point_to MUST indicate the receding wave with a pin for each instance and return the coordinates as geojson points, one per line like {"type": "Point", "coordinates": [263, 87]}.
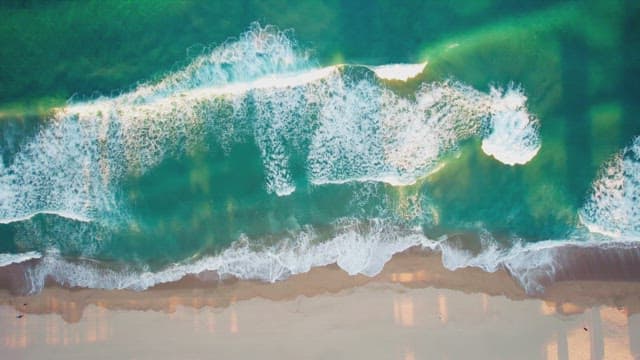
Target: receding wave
{"type": "Point", "coordinates": [8, 259]}
{"type": "Point", "coordinates": [356, 247]}
{"type": "Point", "coordinates": [613, 208]}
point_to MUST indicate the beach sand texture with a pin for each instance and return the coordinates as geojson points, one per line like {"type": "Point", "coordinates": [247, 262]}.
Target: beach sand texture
{"type": "Point", "coordinates": [414, 309]}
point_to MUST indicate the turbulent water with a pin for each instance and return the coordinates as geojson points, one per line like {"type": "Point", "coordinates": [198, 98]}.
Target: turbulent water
{"type": "Point", "coordinates": [257, 161]}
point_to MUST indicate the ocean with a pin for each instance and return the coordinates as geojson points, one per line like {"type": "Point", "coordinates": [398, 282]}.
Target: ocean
{"type": "Point", "coordinates": [510, 142]}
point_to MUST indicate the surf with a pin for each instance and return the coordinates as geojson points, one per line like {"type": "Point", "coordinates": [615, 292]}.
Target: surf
{"type": "Point", "coordinates": [345, 123]}
{"type": "Point", "coordinates": [356, 247]}
{"type": "Point", "coordinates": [613, 207]}
{"type": "Point", "coordinates": [358, 129]}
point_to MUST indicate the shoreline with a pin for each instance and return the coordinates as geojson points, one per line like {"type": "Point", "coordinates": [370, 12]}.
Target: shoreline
{"type": "Point", "coordinates": [412, 269]}
{"type": "Point", "coordinates": [414, 309]}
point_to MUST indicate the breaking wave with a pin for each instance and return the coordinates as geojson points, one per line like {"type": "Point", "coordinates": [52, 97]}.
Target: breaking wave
{"type": "Point", "coordinates": [513, 136]}
{"type": "Point", "coordinates": [613, 208]}
{"type": "Point", "coordinates": [345, 122]}
{"type": "Point", "coordinates": [356, 247]}
{"type": "Point", "coordinates": [402, 72]}
{"type": "Point", "coordinates": [261, 87]}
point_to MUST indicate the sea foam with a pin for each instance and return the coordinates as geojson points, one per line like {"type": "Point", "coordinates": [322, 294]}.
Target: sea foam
{"type": "Point", "coordinates": [513, 136]}
{"type": "Point", "coordinates": [613, 207]}
{"type": "Point", "coordinates": [357, 247]}
{"type": "Point", "coordinates": [402, 72]}
{"type": "Point", "coordinates": [8, 259]}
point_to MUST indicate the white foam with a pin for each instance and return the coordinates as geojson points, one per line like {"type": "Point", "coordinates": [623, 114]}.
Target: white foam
{"type": "Point", "coordinates": [367, 132]}
{"type": "Point", "coordinates": [63, 214]}
{"type": "Point", "coordinates": [530, 264]}
{"type": "Point", "coordinates": [73, 164]}
{"type": "Point", "coordinates": [8, 259]}
{"type": "Point", "coordinates": [257, 53]}
{"type": "Point", "coordinates": [359, 131]}
{"type": "Point", "coordinates": [613, 209]}
{"type": "Point", "coordinates": [533, 265]}
{"type": "Point", "coordinates": [58, 172]}
{"type": "Point", "coordinates": [356, 247]}
{"type": "Point", "coordinates": [513, 136]}
{"type": "Point", "coordinates": [402, 72]}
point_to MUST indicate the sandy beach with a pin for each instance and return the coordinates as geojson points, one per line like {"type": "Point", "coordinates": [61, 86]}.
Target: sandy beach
{"type": "Point", "coordinates": [415, 309]}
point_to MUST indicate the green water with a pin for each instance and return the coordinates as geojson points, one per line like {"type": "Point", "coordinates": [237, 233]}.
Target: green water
{"type": "Point", "coordinates": [576, 62]}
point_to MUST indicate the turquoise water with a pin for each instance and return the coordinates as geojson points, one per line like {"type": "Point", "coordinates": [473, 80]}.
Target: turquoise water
{"type": "Point", "coordinates": [497, 139]}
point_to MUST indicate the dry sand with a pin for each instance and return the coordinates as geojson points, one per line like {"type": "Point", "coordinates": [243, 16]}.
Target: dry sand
{"type": "Point", "coordinates": [415, 309]}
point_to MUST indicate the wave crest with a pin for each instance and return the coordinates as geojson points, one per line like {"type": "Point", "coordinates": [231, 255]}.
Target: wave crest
{"type": "Point", "coordinates": [8, 259]}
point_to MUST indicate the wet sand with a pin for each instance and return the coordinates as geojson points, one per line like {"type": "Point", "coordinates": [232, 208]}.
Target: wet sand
{"type": "Point", "coordinates": [414, 309]}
